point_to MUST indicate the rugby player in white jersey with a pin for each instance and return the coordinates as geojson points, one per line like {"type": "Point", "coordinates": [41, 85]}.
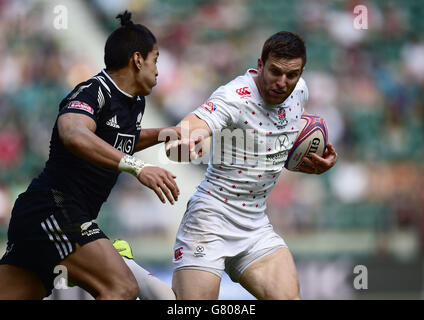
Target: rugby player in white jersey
{"type": "Point", "coordinates": [225, 227]}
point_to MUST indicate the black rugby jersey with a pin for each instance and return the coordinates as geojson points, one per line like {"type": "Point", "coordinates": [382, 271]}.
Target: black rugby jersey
{"type": "Point", "coordinates": [118, 118]}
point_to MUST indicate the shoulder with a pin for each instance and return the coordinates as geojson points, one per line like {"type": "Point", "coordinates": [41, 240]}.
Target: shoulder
{"type": "Point", "coordinates": [301, 85]}
{"type": "Point", "coordinates": [302, 89]}
{"type": "Point", "coordinates": [101, 84]}
{"type": "Point", "coordinates": [234, 91]}
{"type": "Point", "coordinates": [95, 92]}
{"type": "Point", "coordinates": [95, 86]}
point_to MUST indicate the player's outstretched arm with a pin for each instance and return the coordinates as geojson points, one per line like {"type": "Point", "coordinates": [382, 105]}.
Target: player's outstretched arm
{"type": "Point", "coordinates": [77, 134]}
{"type": "Point", "coordinates": [192, 140]}
{"type": "Point", "coordinates": [316, 164]}
{"type": "Point", "coordinates": [151, 137]}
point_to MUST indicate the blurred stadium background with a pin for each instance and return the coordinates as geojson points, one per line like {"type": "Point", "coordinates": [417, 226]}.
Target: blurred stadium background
{"type": "Point", "coordinates": [367, 84]}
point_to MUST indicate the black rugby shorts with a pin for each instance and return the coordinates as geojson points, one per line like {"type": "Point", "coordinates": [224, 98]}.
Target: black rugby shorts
{"type": "Point", "coordinates": [44, 229]}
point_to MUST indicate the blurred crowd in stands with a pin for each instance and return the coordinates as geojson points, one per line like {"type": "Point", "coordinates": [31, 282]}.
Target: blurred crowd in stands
{"type": "Point", "coordinates": [367, 84]}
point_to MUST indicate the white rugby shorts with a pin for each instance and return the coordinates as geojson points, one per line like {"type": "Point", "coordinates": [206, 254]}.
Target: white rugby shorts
{"type": "Point", "coordinates": [207, 240]}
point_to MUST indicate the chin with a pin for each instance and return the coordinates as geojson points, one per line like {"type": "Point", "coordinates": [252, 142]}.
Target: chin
{"type": "Point", "coordinates": [276, 101]}
{"type": "Point", "coordinates": [145, 92]}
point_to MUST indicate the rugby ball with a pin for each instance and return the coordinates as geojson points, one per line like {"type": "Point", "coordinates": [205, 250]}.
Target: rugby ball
{"type": "Point", "coordinates": [311, 139]}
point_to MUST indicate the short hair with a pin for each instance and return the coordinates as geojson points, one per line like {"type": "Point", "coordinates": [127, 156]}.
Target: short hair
{"type": "Point", "coordinates": [124, 41]}
{"type": "Point", "coordinates": [284, 44]}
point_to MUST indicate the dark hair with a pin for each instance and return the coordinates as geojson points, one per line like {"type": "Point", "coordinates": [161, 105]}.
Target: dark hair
{"type": "Point", "coordinates": [284, 44]}
{"type": "Point", "coordinates": [124, 41]}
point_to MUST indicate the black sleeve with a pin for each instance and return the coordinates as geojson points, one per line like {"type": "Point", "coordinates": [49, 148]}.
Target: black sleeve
{"type": "Point", "coordinates": [87, 98]}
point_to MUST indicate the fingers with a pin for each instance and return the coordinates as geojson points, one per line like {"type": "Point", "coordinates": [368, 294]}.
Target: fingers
{"type": "Point", "coordinates": [199, 139]}
{"type": "Point", "coordinates": [172, 144]}
{"type": "Point", "coordinates": [316, 158]}
{"type": "Point", "coordinates": [161, 182]}
{"type": "Point", "coordinates": [330, 151]}
{"type": "Point", "coordinates": [171, 178]}
{"type": "Point", "coordinates": [158, 193]}
{"type": "Point", "coordinates": [313, 163]}
{"type": "Point", "coordinates": [165, 190]}
{"type": "Point", "coordinates": [306, 169]}
{"type": "Point", "coordinates": [172, 186]}
{"type": "Point", "coordinates": [330, 147]}
{"type": "Point", "coordinates": [168, 186]}
{"type": "Point", "coordinates": [307, 162]}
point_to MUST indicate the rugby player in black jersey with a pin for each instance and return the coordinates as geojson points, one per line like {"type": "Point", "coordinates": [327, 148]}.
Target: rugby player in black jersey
{"type": "Point", "coordinates": [96, 133]}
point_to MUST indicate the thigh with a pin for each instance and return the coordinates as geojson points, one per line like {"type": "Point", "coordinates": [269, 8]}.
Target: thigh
{"type": "Point", "coordinates": [198, 244]}
{"type": "Point", "coordinates": [191, 284]}
{"type": "Point", "coordinates": [42, 234]}
{"type": "Point", "coordinates": [20, 284]}
{"type": "Point", "coordinates": [273, 277]}
{"type": "Point", "coordinates": [98, 268]}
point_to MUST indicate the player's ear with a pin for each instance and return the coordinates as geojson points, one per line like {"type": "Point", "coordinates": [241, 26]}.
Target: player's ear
{"type": "Point", "coordinates": [260, 64]}
{"type": "Point", "coordinates": [138, 60]}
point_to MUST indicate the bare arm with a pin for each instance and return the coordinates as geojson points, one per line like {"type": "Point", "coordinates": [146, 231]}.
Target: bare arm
{"type": "Point", "coordinates": [195, 123]}
{"type": "Point", "coordinates": [151, 137]}
{"type": "Point", "coordinates": [193, 135]}
{"type": "Point", "coordinates": [77, 134]}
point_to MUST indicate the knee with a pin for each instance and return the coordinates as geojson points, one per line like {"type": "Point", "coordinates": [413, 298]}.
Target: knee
{"type": "Point", "coordinates": [130, 290]}
{"type": "Point", "coordinates": [295, 296]}
{"type": "Point", "coordinates": [282, 296]}
{"type": "Point", "coordinates": [278, 293]}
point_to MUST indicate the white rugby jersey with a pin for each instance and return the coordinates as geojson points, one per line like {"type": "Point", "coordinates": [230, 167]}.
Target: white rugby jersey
{"type": "Point", "coordinates": [250, 144]}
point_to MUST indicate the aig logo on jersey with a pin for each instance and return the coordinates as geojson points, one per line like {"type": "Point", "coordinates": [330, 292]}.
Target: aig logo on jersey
{"type": "Point", "coordinates": [125, 142]}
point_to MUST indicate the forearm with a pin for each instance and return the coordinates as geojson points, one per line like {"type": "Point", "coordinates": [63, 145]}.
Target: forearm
{"type": "Point", "coordinates": [77, 133]}
{"type": "Point", "coordinates": [148, 138]}
{"type": "Point", "coordinates": [195, 137]}
{"type": "Point", "coordinates": [88, 146]}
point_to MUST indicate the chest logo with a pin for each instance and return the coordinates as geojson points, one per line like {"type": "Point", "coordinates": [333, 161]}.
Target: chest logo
{"type": "Point", "coordinates": [125, 142]}
{"type": "Point", "coordinates": [243, 92]}
{"type": "Point", "coordinates": [113, 122]}
{"type": "Point", "coordinates": [282, 119]}
{"type": "Point", "coordinates": [281, 143]}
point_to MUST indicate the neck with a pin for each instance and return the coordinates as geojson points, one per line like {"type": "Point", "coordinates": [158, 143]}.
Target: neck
{"type": "Point", "coordinates": [258, 85]}
{"type": "Point", "coordinates": [124, 80]}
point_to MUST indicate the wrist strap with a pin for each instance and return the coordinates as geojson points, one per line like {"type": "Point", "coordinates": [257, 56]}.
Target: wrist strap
{"type": "Point", "coordinates": [131, 165]}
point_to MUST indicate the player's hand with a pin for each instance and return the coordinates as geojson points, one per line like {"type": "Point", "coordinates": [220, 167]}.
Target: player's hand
{"type": "Point", "coordinates": [171, 133]}
{"type": "Point", "coordinates": [193, 146]}
{"type": "Point", "coordinates": [161, 182]}
{"type": "Point", "coordinates": [316, 164]}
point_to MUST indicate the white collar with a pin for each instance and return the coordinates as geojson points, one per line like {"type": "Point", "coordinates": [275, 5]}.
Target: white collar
{"type": "Point", "coordinates": [250, 73]}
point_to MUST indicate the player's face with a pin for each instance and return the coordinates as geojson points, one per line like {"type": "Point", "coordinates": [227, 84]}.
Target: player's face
{"type": "Point", "coordinates": [278, 77]}
{"type": "Point", "coordinates": [147, 75]}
